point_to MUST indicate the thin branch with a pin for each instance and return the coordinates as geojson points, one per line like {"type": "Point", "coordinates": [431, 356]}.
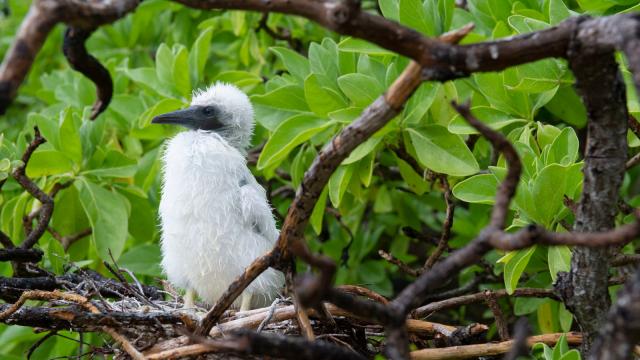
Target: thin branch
{"type": "Point", "coordinates": [489, 349]}
{"type": "Point", "coordinates": [446, 226]}
{"type": "Point", "coordinates": [520, 346]}
{"type": "Point", "coordinates": [501, 323]}
{"type": "Point", "coordinates": [284, 34]}
{"type": "Point", "coordinates": [47, 202]}
{"type": "Point", "coordinates": [479, 297]}
{"type": "Point", "coordinates": [399, 263]}
{"type": "Point", "coordinates": [68, 240]}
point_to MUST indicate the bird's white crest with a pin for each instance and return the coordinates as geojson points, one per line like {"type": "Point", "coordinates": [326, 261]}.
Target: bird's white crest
{"type": "Point", "coordinates": [215, 216]}
{"type": "Point", "coordinates": [233, 102]}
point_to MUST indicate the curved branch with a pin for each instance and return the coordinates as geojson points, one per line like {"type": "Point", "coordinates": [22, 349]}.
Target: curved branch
{"type": "Point", "coordinates": [47, 202]}
{"type": "Point", "coordinates": [80, 60]}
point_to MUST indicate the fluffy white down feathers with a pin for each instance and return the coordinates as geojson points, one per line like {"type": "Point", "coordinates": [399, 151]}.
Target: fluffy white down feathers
{"type": "Point", "coordinates": [215, 216]}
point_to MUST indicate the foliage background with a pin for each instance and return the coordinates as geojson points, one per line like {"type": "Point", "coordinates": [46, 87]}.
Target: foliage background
{"type": "Point", "coordinates": [162, 51]}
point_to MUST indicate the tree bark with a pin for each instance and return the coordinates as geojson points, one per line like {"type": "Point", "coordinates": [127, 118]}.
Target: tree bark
{"type": "Point", "coordinates": [599, 83]}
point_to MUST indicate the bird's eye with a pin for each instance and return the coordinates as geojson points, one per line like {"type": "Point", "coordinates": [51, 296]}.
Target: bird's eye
{"type": "Point", "coordinates": [208, 110]}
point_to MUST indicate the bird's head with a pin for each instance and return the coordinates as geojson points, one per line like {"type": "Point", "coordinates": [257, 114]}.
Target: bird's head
{"type": "Point", "coordinates": [221, 108]}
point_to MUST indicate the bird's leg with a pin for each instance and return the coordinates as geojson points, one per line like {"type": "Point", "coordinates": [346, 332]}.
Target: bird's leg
{"type": "Point", "coordinates": [245, 305]}
{"type": "Point", "coordinates": [189, 299]}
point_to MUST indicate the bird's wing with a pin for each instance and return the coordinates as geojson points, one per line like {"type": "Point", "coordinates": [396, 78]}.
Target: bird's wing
{"type": "Point", "coordinates": [256, 211]}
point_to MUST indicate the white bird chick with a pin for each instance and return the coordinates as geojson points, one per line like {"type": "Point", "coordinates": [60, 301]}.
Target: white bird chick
{"type": "Point", "coordinates": [215, 216]}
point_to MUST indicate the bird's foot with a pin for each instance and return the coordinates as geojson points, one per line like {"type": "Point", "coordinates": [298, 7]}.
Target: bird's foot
{"type": "Point", "coordinates": [245, 305]}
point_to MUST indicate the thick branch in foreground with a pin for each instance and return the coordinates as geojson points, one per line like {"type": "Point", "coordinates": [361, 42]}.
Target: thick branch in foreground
{"type": "Point", "coordinates": [373, 118]}
{"type": "Point", "coordinates": [600, 84]}
{"type": "Point", "coordinates": [622, 329]}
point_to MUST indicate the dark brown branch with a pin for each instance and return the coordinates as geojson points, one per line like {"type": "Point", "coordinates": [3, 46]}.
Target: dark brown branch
{"type": "Point", "coordinates": [622, 329]}
{"type": "Point", "coordinates": [446, 226]}
{"type": "Point", "coordinates": [634, 125]}
{"type": "Point", "coordinates": [5, 240]}
{"type": "Point", "coordinates": [47, 202]}
{"type": "Point", "coordinates": [599, 83]}
{"type": "Point", "coordinates": [21, 255]}
{"type": "Point", "coordinates": [80, 60]}
{"type": "Point", "coordinates": [11, 288]}
{"type": "Point", "coordinates": [27, 221]}
{"type": "Point", "coordinates": [534, 234]}
{"type": "Point", "coordinates": [429, 309]}
{"type": "Point", "coordinates": [625, 259]}
{"type": "Point", "coordinates": [397, 262]}
{"type": "Point", "coordinates": [284, 34]}
{"type": "Point", "coordinates": [67, 240]}
{"type": "Point", "coordinates": [501, 322]}
{"type": "Point", "coordinates": [520, 348]}
{"type": "Point", "coordinates": [73, 317]}
{"type": "Point", "coordinates": [508, 186]}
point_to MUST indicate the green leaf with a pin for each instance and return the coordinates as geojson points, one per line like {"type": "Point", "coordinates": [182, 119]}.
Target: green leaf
{"type": "Point", "coordinates": [382, 204]}
{"type": "Point", "coordinates": [566, 105]}
{"type": "Point", "coordinates": [365, 169]}
{"type": "Point", "coordinates": [493, 118]}
{"type": "Point", "coordinates": [46, 162]}
{"type": "Point", "coordinates": [561, 347]}
{"type": "Point", "coordinates": [361, 89]}
{"type": "Point", "coordinates": [362, 150]}
{"type": "Point", "coordinates": [556, 11]}
{"type": "Point", "coordinates": [559, 259]}
{"type": "Point", "coordinates": [164, 64]}
{"type": "Point", "coordinates": [353, 45]}
{"type": "Point", "coordinates": [443, 152]}
{"type": "Point", "coordinates": [318, 211]}
{"type": "Point", "coordinates": [289, 134]}
{"type": "Point", "coordinates": [5, 165]}
{"type": "Point", "coordinates": [523, 24]}
{"type": "Point", "coordinates": [572, 354]}
{"type": "Point", "coordinates": [479, 189]}
{"type": "Point", "coordinates": [162, 107]}
{"type": "Point", "coordinates": [199, 54]}
{"type": "Point", "coordinates": [107, 213]}
{"type": "Point", "coordinates": [414, 180]}
{"type": "Point", "coordinates": [296, 64]}
{"type": "Point", "coordinates": [564, 150]}
{"type": "Point", "coordinates": [515, 266]}
{"type": "Point", "coordinates": [413, 14]}
{"type": "Point", "coordinates": [289, 97]}
{"type": "Point", "coordinates": [323, 62]}
{"type": "Point", "coordinates": [180, 71]}
{"type": "Point", "coordinates": [321, 100]}
{"type": "Point", "coordinates": [143, 259]}
{"type": "Point", "coordinates": [242, 79]}
{"type": "Point", "coordinates": [546, 319]}
{"type": "Point", "coordinates": [115, 172]}
{"type": "Point", "coordinates": [565, 318]}
{"type": "Point", "coordinates": [338, 184]}
{"type": "Point", "coordinates": [546, 134]}
{"type": "Point", "coordinates": [390, 9]}
{"type": "Point", "coordinates": [549, 189]}
{"type": "Point", "coordinates": [69, 135]}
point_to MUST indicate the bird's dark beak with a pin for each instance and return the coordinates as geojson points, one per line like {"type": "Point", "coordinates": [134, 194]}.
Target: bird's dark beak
{"type": "Point", "coordinates": [188, 118]}
{"type": "Point", "coordinates": [194, 118]}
